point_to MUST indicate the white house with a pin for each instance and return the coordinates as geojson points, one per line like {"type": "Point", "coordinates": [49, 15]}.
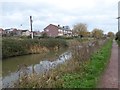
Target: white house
{"type": "Point", "coordinates": [26, 33]}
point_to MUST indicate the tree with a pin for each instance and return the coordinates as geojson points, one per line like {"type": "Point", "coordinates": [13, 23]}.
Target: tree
{"type": "Point", "coordinates": [80, 29]}
{"type": "Point", "coordinates": [97, 33]}
{"type": "Point", "coordinates": [44, 35]}
{"type": "Point", "coordinates": [118, 36]}
{"type": "Point", "coordinates": [88, 34]}
{"type": "Point", "coordinates": [110, 34]}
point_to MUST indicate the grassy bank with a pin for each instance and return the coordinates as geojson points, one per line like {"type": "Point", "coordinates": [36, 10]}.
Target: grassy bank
{"type": "Point", "coordinates": [90, 72]}
{"type": "Point", "coordinates": [15, 47]}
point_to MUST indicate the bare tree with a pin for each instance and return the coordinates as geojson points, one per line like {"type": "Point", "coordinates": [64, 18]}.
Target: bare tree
{"type": "Point", "coordinates": [80, 29]}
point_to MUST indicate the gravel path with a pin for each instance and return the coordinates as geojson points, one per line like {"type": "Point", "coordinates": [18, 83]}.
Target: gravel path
{"type": "Point", "coordinates": [109, 79]}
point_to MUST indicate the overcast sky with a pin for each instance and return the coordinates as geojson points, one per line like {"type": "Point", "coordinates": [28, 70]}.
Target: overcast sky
{"type": "Point", "coordinates": [95, 13]}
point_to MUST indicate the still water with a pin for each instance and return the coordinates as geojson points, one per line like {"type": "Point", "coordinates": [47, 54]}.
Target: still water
{"type": "Point", "coordinates": [10, 65]}
{"type": "Point", "coordinates": [40, 63]}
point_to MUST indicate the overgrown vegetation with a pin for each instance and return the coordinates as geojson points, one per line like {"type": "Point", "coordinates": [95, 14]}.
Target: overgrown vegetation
{"type": "Point", "coordinates": [119, 43]}
{"type": "Point", "coordinates": [15, 47]}
{"type": "Point", "coordinates": [89, 74]}
{"type": "Point", "coordinates": [82, 71]}
{"type": "Point", "coordinates": [118, 37]}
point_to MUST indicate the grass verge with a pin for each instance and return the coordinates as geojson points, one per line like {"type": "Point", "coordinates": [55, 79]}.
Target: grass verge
{"type": "Point", "coordinates": [90, 73]}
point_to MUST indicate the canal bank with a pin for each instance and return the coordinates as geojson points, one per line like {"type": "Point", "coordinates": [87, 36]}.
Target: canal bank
{"type": "Point", "coordinates": [18, 47]}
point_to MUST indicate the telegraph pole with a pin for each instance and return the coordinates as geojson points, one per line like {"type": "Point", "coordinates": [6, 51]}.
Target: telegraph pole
{"type": "Point", "coordinates": [118, 23]}
{"type": "Point", "coordinates": [31, 26]}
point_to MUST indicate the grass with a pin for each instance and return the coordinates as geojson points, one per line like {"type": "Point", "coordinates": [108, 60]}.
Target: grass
{"type": "Point", "coordinates": [90, 72]}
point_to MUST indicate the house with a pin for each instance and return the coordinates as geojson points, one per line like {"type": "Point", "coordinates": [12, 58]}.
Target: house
{"type": "Point", "coordinates": [67, 31]}
{"type": "Point", "coordinates": [37, 33]}
{"type": "Point", "coordinates": [26, 32]}
{"type": "Point", "coordinates": [8, 32]}
{"type": "Point", "coordinates": [1, 31]}
{"type": "Point", "coordinates": [18, 32]}
{"type": "Point", "coordinates": [12, 32]}
{"type": "Point", "coordinates": [53, 30]}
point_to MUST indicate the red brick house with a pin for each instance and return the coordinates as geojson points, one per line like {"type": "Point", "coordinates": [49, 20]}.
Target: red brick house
{"type": "Point", "coordinates": [53, 30]}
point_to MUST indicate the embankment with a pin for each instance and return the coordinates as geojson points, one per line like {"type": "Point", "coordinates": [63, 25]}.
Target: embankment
{"type": "Point", "coordinates": [16, 47]}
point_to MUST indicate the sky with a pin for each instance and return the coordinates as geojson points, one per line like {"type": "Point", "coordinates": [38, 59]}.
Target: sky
{"type": "Point", "coordinates": [100, 14]}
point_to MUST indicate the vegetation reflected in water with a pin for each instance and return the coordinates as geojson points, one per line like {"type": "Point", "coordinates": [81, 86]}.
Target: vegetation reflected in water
{"type": "Point", "coordinates": [10, 65]}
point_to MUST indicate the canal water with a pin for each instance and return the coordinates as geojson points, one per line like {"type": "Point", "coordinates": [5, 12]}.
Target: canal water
{"type": "Point", "coordinates": [40, 62]}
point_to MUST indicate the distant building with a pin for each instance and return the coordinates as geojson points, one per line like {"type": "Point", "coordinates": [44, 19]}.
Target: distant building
{"type": "Point", "coordinates": [37, 33]}
{"type": "Point", "coordinates": [53, 30]}
{"type": "Point", "coordinates": [9, 32]}
{"type": "Point", "coordinates": [12, 32]}
{"type": "Point", "coordinates": [1, 31]}
{"type": "Point", "coordinates": [15, 32]}
{"type": "Point", "coordinates": [26, 32]}
{"type": "Point", "coordinates": [66, 31]}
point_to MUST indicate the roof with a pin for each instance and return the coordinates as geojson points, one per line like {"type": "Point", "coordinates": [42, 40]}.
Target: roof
{"type": "Point", "coordinates": [51, 25]}
{"type": "Point", "coordinates": [59, 27]}
{"type": "Point", "coordinates": [24, 30]}
{"type": "Point", "coordinates": [1, 29]}
{"type": "Point", "coordinates": [7, 29]}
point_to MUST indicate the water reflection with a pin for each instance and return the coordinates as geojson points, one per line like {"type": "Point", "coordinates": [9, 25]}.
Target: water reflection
{"type": "Point", "coordinates": [39, 68]}
{"type": "Point", "coordinates": [11, 64]}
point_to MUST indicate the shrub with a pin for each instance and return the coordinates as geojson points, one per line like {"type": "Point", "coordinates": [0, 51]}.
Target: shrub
{"type": "Point", "coordinates": [15, 47]}
{"type": "Point", "coordinates": [118, 35]}
{"type": "Point", "coordinates": [52, 42]}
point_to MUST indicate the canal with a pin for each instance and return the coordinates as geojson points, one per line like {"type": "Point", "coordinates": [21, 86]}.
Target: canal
{"type": "Point", "coordinates": [40, 62]}
{"type": "Point", "coordinates": [10, 65]}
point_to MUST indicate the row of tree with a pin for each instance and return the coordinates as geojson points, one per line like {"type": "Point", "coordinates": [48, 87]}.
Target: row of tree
{"type": "Point", "coordinates": [81, 30]}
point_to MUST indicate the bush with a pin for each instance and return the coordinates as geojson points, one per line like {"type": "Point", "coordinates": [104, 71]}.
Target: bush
{"type": "Point", "coordinates": [52, 42]}
{"type": "Point", "coordinates": [118, 36]}
{"type": "Point", "coordinates": [12, 47]}
{"type": "Point", "coordinates": [118, 43]}
{"type": "Point", "coordinates": [64, 37]}
{"type": "Point", "coordinates": [15, 47]}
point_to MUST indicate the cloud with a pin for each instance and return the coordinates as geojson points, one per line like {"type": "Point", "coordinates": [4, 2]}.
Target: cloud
{"type": "Point", "coordinates": [95, 13]}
